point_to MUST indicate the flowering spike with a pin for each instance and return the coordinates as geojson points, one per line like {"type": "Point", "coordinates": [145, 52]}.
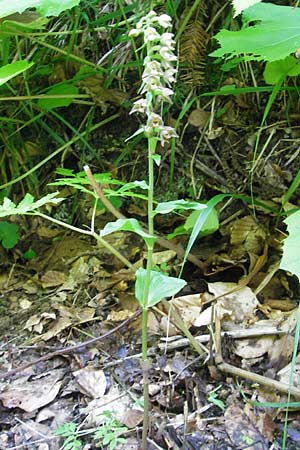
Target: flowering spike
{"type": "Point", "coordinates": [158, 75]}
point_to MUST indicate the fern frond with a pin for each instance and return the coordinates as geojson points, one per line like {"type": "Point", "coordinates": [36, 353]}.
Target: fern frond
{"type": "Point", "coordinates": [192, 53]}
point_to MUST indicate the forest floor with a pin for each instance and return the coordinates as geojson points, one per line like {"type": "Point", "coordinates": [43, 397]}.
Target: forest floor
{"type": "Point", "coordinates": [70, 328]}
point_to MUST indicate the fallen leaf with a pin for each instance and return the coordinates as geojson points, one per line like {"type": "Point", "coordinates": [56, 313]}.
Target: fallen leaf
{"type": "Point", "coordinates": [91, 382]}
{"type": "Point", "coordinates": [32, 395]}
{"type": "Point", "coordinates": [242, 431]}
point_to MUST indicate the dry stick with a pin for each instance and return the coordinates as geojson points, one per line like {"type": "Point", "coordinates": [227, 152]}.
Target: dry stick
{"type": "Point", "coordinates": [200, 349]}
{"type": "Point", "coordinates": [237, 372]}
{"type": "Point", "coordinates": [234, 334]}
{"type": "Point", "coordinates": [72, 348]}
{"type": "Point", "coordinates": [161, 241]}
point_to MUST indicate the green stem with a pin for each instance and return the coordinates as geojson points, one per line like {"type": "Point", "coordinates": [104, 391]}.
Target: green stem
{"type": "Point", "coordinates": [96, 236]}
{"type": "Point", "coordinates": [145, 365]}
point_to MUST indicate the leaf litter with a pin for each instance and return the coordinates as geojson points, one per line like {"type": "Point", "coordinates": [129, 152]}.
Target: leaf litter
{"type": "Point", "coordinates": [191, 401]}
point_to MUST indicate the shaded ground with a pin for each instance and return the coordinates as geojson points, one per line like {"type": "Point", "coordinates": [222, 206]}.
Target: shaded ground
{"type": "Point", "coordinates": [74, 291]}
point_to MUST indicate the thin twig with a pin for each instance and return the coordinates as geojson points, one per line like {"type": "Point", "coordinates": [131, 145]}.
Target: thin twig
{"type": "Point", "coordinates": [72, 348]}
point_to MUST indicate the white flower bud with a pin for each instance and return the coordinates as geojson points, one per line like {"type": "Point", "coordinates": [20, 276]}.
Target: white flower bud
{"type": "Point", "coordinates": [167, 54]}
{"type": "Point", "coordinates": [134, 32]}
{"type": "Point", "coordinates": [164, 95]}
{"type": "Point", "coordinates": [167, 40]}
{"type": "Point", "coordinates": [169, 75]}
{"type": "Point", "coordinates": [154, 121]}
{"type": "Point", "coordinates": [150, 34]}
{"type": "Point", "coordinates": [164, 20]}
{"type": "Point", "coordinates": [150, 83]}
{"type": "Point", "coordinates": [166, 133]}
{"type": "Point", "coordinates": [139, 106]}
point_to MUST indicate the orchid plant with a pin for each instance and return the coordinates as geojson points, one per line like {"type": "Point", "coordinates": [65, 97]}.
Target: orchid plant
{"type": "Point", "coordinates": [158, 77]}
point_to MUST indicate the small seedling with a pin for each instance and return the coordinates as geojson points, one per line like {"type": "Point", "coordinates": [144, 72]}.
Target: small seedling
{"type": "Point", "coordinates": [70, 433]}
{"type": "Point", "coordinates": [213, 398]}
{"type": "Point", "coordinates": [109, 434]}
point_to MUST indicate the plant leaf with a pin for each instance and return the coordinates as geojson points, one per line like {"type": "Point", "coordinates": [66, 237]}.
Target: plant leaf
{"type": "Point", "coordinates": [210, 225]}
{"type": "Point", "coordinates": [160, 286]}
{"type": "Point", "coordinates": [27, 205]}
{"type": "Point", "coordinates": [9, 234]}
{"type": "Point", "coordinates": [60, 89]}
{"type": "Point", "coordinates": [276, 69]}
{"type": "Point", "coordinates": [167, 207]}
{"type": "Point", "coordinates": [44, 7]}
{"type": "Point", "coordinates": [127, 225]}
{"type": "Point", "coordinates": [275, 34]}
{"type": "Point", "coordinates": [12, 70]}
{"type": "Point", "coordinates": [291, 245]}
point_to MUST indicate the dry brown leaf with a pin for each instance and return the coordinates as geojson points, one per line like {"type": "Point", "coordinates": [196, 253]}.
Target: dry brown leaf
{"type": "Point", "coordinates": [247, 233]}
{"type": "Point", "coordinates": [52, 278]}
{"type": "Point", "coordinates": [114, 401]}
{"type": "Point", "coordinates": [253, 348]}
{"type": "Point", "coordinates": [199, 118]}
{"type": "Point", "coordinates": [131, 418]}
{"type": "Point", "coordinates": [91, 382]}
{"type": "Point", "coordinates": [242, 430]}
{"type": "Point", "coordinates": [32, 395]}
{"type": "Point", "coordinates": [37, 322]}
{"type": "Point", "coordinates": [242, 303]}
{"type": "Point", "coordinates": [119, 316]}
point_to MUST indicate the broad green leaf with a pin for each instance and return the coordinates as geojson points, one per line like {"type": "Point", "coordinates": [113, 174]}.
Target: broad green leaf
{"type": "Point", "coordinates": [210, 225]}
{"type": "Point", "coordinates": [127, 225]}
{"type": "Point", "coordinates": [240, 5]}
{"type": "Point", "coordinates": [12, 70]}
{"type": "Point", "coordinates": [160, 286]}
{"type": "Point", "coordinates": [167, 207]}
{"type": "Point", "coordinates": [27, 205]}
{"type": "Point", "coordinates": [60, 89]}
{"type": "Point", "coordinates": [291, 245]}
{"type": "Point", "coordinates": [275, 70]}
{"type": "Point", "coordinates": [275, 34]}
{"type": "Point", "coordinates": [27, 21]}
{"type": "Point", "coordinates": [9, 234]}
{"type": "Point", "coordinates": [201, 221]}
{"type": "Point", "coordinates": [44, 7]}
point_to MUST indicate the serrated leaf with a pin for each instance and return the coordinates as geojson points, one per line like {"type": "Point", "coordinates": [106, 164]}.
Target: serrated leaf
{"type": "Point", "coordinates": [291, 245]}
{"type": "Point", "coordinates": [127, 225]}
{"type": "Point", "coordinates": [27, 205]}
{"type": "Point", "coordinates": [44, 7]}
{"type": "Point", "coordinates": [167, 207]}
{"type": "Point", "coordinates": [12, 70]}
{"type": "Point", "coordinates": [160, 286]}
{"type": "Point", "coordinates": [275, 34]}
